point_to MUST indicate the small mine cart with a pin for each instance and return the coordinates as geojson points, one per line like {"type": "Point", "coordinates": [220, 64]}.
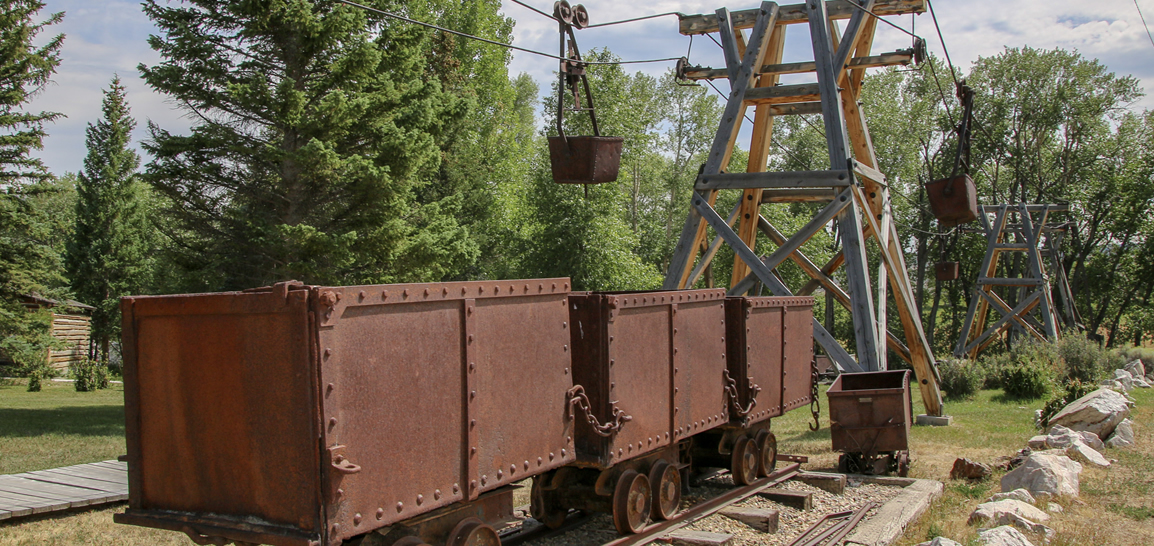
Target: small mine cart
{"type": "Point", "coordinates": [869, 416]}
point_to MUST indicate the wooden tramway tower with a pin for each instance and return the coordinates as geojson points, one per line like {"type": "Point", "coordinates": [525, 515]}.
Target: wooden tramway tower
{"type": "Point", "coordinates": [855, 192]}
{"type": "Point", "coordinates": [1035, 314]}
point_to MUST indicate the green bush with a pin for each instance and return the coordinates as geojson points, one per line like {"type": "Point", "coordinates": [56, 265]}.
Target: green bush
{"type": "Point", "coordinates": [37, 375]}
{"type": "Point", "coordinates": [961, 379]}
{"type": "Point", "coordinates": [1138, 353]}
{"type": "Point", "coordinates": [1027, 380]}
{"type": "Point", "coordinates": [991, 369]}
{"type": "Point", "coordinates": [89, 375]}
{"type": "Point", "coordinates": [1084, 360]}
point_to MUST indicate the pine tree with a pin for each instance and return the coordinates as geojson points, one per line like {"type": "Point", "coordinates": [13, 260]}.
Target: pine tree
{"type": "Point", "coordinates": [28, 262]}
{"type": "Point", "coordinates": [109, 254]}
{"type": "Point", "coordinates": [317, 129]}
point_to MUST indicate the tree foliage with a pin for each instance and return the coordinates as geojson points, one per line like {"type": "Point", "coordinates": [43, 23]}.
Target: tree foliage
{"type": "Point", "coordinates": [110, 252]}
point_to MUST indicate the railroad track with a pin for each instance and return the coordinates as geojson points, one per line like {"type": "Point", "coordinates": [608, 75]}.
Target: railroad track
{"type": "Point", "coordinates": [658, 529]}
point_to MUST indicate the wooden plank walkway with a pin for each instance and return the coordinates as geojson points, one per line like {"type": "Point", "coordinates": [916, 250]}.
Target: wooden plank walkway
{"type": "Point", "coordinates": [62, 488]}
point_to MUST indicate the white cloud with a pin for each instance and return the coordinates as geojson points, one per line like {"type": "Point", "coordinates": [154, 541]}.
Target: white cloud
{"type": "Point", "coordinates": [109, 36]}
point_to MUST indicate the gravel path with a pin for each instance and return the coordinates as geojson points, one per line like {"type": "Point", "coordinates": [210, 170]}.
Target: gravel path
{"type": "Point", "coordinates": [791, 524]}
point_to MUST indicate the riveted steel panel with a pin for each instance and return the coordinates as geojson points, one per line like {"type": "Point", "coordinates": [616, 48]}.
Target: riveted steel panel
{"type": "Point", "coordinates": [422, 387]}
{"type": "Point", "coordinates": [627, 355]}
{"type": "Point", "coordinates": [797, 352]}
{"type": "Point", "coordinates": [221, 414]}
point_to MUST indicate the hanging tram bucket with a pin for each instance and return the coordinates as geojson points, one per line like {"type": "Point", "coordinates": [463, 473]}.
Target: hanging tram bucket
{"type": "Point", "coordinates": [953, 200]}
{"type": "Point", "coordinates": [946, 271]}
{"type": "Point", "coordinates": [585, 159]}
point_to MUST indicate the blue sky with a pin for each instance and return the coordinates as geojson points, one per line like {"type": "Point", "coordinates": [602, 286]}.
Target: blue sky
{"type": "Point", "coordinates": [106, 37]}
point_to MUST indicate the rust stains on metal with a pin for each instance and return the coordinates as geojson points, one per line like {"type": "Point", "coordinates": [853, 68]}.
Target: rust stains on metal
{"type": "Point", "coordinates": [953, 200]}
{"type": "Point", "coordinates": [770, 348]}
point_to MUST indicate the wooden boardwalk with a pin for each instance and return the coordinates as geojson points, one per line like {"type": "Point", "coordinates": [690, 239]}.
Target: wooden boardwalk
{"type": "Point", "coordinates": [63, 488]}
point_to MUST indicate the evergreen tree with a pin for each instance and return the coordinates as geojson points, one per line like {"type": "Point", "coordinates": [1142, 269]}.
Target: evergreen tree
{"type": "Point", "coordinates": [109, 255]}
{"type": "Point", "coordinates": [318, 128]}
{"type": "Point", "coordinates": [28, 262]}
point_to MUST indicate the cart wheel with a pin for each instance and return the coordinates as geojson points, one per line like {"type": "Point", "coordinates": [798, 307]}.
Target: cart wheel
{"type": "Point", "coordinates": [767, 448]}
{"type": "Point", "coordinates": [410, 541]}
{"type": "Point", "coordinates": [632, 503]}
{"type": "Point", "coordinates": [744, 461]}
{"type": "Point", "coordinates": [543, 505]}
{"type": "Point", "coordinates": [904, 464]}
{"type": "Point", "coordinates": [665, 480]}
{"type": "Point", "coordinates": [473, 532]}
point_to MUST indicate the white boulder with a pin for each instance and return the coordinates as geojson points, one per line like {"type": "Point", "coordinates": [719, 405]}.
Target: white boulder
{"type": "Point", "coordinates": [1098, 412]}
{"type": "Point", "coordinates": [994, 511]}
{"type": "Point", "coordinates": [1045, 474]}
{"type": "Point", "coordinates": [1124, 377]}
{"type": "Point", "coordinates": [1141, 383]}
{"type": "Point", "coordinates": [1113, 384]}
{"type": "Point", "coordinates": [1017, 494]}
{"type": "Point", "coordinates": [1092, 440]}
{"type": "Point", "coordinates": [1123, 435]}
{"type": "Point", "coordinates": [940, 541]}
{"type": "Point", "coordinates": [1085, 454]}
{"type": "Point", "coordinates": [1054, 508]}
{"type": "Point", "coordinates": [1003, 536]}
{"type": "Point", "coordinates": [1135, 368]}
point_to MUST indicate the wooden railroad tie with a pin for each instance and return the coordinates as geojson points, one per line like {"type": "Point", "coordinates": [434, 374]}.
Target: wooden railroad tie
{"type": "Point", "coordinates": [802, 500]}
{"type": "Point", "coordinates": [765, 520]}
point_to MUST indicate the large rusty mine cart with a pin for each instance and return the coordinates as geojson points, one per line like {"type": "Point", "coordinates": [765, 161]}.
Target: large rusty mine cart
{"type": "Point", "coordinates": [869, 420]}
{"type": "Point", "coordinates": [305, 415]}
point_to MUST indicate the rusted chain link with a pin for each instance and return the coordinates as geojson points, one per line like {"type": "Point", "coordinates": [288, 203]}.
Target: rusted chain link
{"type": "Point", "coordinates": [814, 401]}
{"type": "Point", "coordinates": [577, 397]}
{"type": "Point", "coordinates": [731, 390]}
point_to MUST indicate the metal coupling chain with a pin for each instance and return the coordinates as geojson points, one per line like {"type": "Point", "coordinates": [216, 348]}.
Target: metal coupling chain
{"type": "Point", "coordinates": [731, 391]}
{"type": "Point", "coordinates": [814, 400]}
{"type": "Point", "coordinates": [578, 398]}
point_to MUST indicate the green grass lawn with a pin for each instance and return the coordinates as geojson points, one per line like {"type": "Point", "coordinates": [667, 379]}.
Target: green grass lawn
{"type": "Point", "coordinates": [58, 426]}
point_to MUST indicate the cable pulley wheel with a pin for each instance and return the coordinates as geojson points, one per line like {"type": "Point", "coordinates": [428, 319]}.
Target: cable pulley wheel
{"type": "Point", "coordinates": [665, 480]}
{"type": "Point", "coordinates": [563, 11]}
{"type": "Point", "coordinates": [580, 16]}
{"type": "Point", "coordinates": [632, 503]}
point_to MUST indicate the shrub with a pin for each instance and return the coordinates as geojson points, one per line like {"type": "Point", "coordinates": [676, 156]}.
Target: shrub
{"type": "Point", "coordinates": [1085, 360]}
{"type": "Point", "coordinates": [961, 379]}
{"type": "Point", "coordinates": [1027, 380]}
{"type": "Point", "coordinates": [1138, 353]}
{"type": "Point", "coordinates": [89, 375]}
{"type": "Point", "coordinates": [991, 369]}
{"type": "Point", "coordinates": [37, 375]}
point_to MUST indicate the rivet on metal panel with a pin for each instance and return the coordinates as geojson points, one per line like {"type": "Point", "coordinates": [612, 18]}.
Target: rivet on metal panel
{"type": "Point", "coordinates": [566, 286]}
{"type": "Point", "coordinates": [361, 296]}
{"type": "Point", "coordinates": [400, 506]}
{"type": "Point", "coordinates": [611, 362]}
{"type": "Point", "coordinates": [723, 356]}
{"type": "Point", "coordinates": [329, 389]}
{"type": "Point", "coordinates": [675, 330]}
{"type": "Point", "coordinates": [456, 488]}
{"type": "Point", "coordinates": [651, 441]}
{"type": "Point", "coordinates": [332, 422]}
{"type": "Point", "coordinates": [565, 348]}
{"type": "Point", "coordinates": [472, 366]}
{"type": "Point", "coordinates": [526, 288]}
{"type": "Point", "coordinates": [340, 492]}
{"type": "Point", "coordinates": [630, 448]}
{"type": "Point", "coordinates": [662, 299]}
{"type": "Point", "coordinates": [426, 292]}
{"type": "Point", "coordinates": [667, 436]}
{"type": "Point", "coordinates": [566, 371]}
{"type": "Point", "coordinates": [500, 474]}
{"type": "Point", "coordinates": [675, 410]}
{"type": "Point", "coordinates": [436, 494]}
{"type": "Point", "coordinates": [336, 528]}
{"type": "Point", "coordinates": [568, 439]}
{"type": "Point", "coordinates": [554, 287]}
{"type": "Point", "coordinates": [620, 452]}
{"type": "Point", "coordinates": [469, 309]}
{"type": "Point", "coordinates": [539, 461]}
{"type": "Point", "coordinates": [526, 465]}
{"type": "Point", "coordinates": [563, 453]}
{"type": "Point", "coordinates": [380, 513]}
{"type": "Point", "coordinates": [470, 338]}
{"type": "Point", "coordinates": [676, 390]}
{"type": "Point", "coordinates": [444, 292]}
{"type": "Point", "coordinates": [328, 353]}
{"type": "Point", "coordinates": [496, 290]}
{"type": "Point", "coordinates": [405, 293]}
{"type": "Point", "coordinates": [480, 289]}
{"type": "Point", "coordinates": [675, 352]}
{"type": "Point", "coordinates": [384, 294]}
{"type": "Point", "coordinates": [357, 518]}
{"type": "Point", "coordinates": [484, 480]}
{"type": "Point", "coordinates": [540, 287]}
{"type": "Point", "coordinates": [472, 395]}
{"type": "Point", "coordinates": [464, 290]}
{"type": "Point", "coordinates": [513, 467]}
{"type": "Point", "coordinates": [564, 325]}
{"type": "Point", "coordinates": [611, 339]}
{"type": "Point", "coordinates": [472, 423]}
{"type": "Point", "coordinates": [675, 370]}
{"type": "Point", "coordinates": [551, 455]}
{"type": "Point", "coordinates": [612, 385]}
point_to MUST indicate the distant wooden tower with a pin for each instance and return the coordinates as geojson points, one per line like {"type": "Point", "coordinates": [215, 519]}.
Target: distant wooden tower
{"type": "Point", "coordinates": [1012, 229]}
{"type": "Point", "coordinates": [70, 324]}
{"type": "Point", "coordinates": [852, 190]}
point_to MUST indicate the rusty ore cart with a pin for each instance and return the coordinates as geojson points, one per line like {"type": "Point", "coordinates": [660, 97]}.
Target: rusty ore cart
{"type": "Point", "coordinates": [305, 415]}
{"type": "Point", "coordinates": [869, 416]}
{"type": "Point", "coordinates": [664, 378]}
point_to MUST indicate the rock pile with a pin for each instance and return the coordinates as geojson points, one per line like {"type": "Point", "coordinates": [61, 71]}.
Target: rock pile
{"type": "Point", "coordinates": [1098, 412]}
